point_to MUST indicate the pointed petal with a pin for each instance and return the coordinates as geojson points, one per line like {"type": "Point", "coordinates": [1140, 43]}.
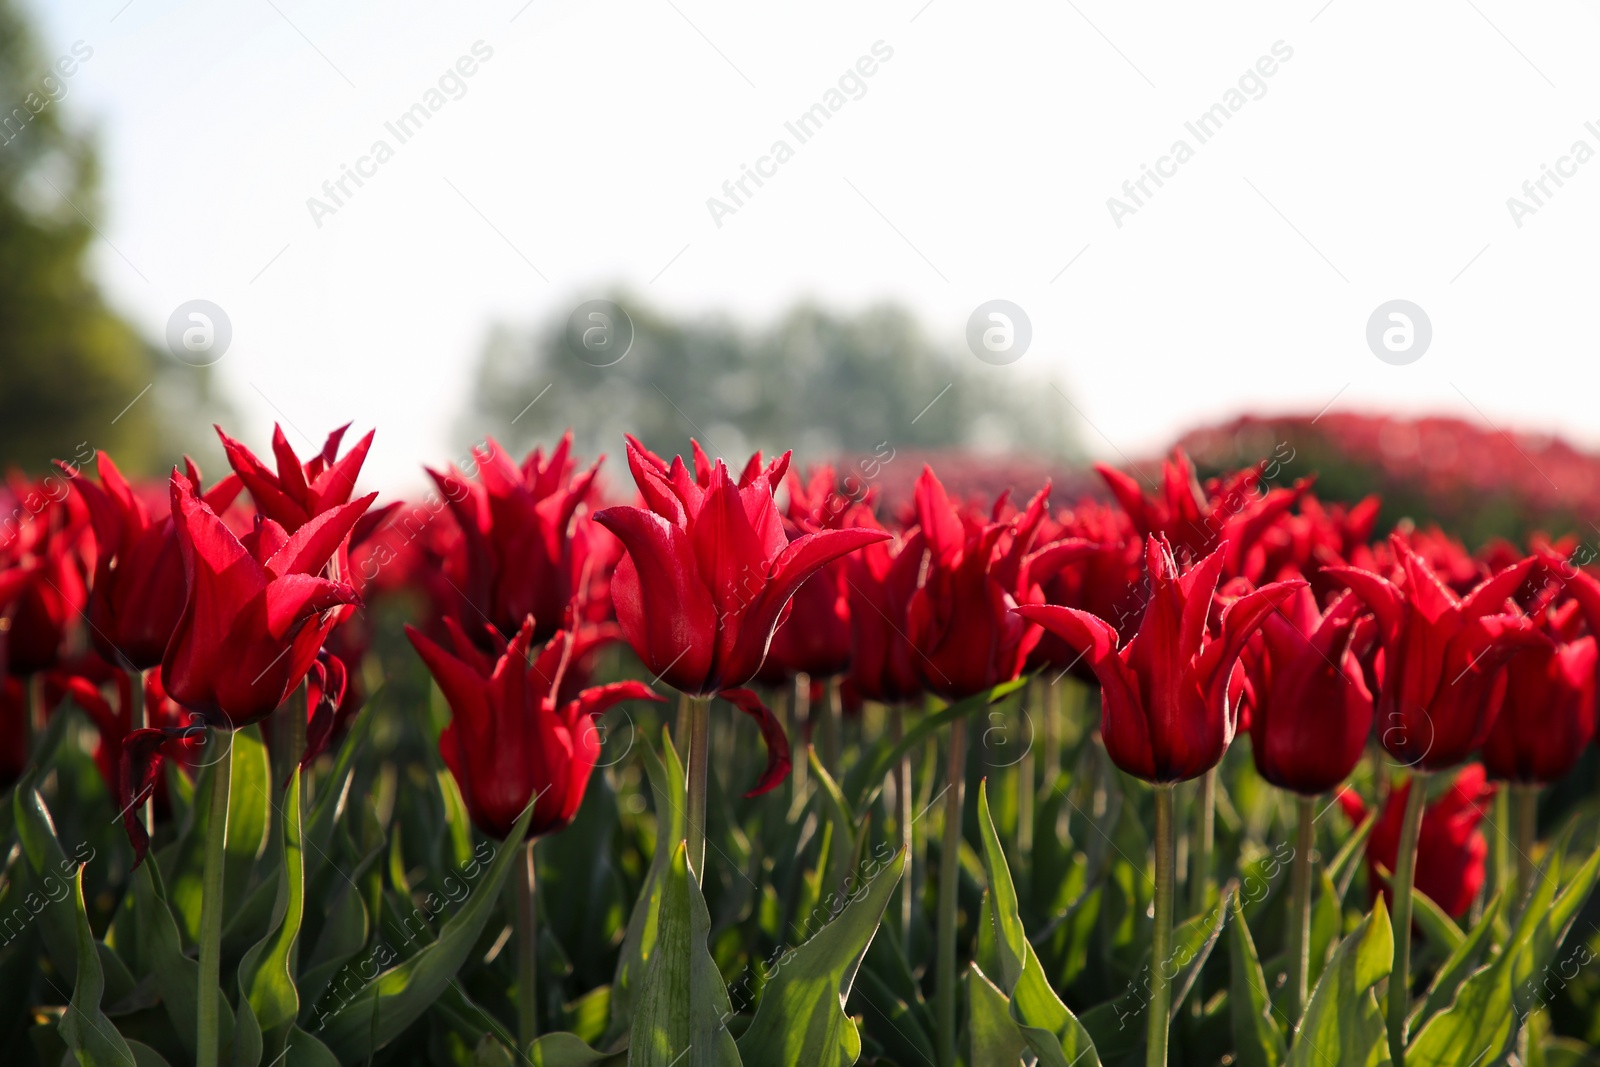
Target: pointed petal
{"type": "Point", "coordinates": [772, 732]}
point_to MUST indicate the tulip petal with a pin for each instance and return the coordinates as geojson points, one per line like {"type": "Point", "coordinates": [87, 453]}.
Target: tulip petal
{"type": "Point", "coordinates": [779, 761]}
{"type": "Point", "coordinates": [310, 547]}
{"type": "Point", "coordinates": [664, 609]}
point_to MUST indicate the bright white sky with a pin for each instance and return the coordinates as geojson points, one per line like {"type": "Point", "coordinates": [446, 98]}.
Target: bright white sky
{"type": "Point", "coordinates": [978, 164]}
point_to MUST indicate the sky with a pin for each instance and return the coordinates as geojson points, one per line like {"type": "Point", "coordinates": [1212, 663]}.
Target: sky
{"type": "Point", "coordinates": [1357, 154]}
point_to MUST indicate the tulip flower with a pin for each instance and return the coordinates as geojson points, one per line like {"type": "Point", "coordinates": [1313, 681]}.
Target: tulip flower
{"type": "Point", "coordinates": [960, 619]}
{"type": "Point", "coordinates": [510, 737]}
{"type": "Point", "coordinates": [881, 579]}
{"type": "Point", "coordinates": [1168, 709]}
{"type": "Point", "coordinates": [1451, 849]}
{"type": "Point", "coordinates": [257, 611]}
{"type": "Point", "coordinates": [298, 492]}
{"type": "Point", "coordinates": [1440, 686]}
{"type": "Point", "coordinates": [1548, 717]}
{"type": "Point", "coordinates": [815, 638]}
{"type": "Point", "coordinates": [138, 590]}
{"type": "Point", "coordinates": [1440, 680]}
{"type": "Point", "coordinates": [1312, 710]}
{"type": "Point", "coordinates": [42, 570]}
{"type": "Point", "coordinates": [518, 555]}
{"type": "Point", "coordinates": [1168, 715]}
{"type": "Point", "coordinates": [708, 572]}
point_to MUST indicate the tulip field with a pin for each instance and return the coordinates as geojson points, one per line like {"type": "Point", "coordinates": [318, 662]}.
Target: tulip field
{"type": "Point", "coordinates": [714, 761]}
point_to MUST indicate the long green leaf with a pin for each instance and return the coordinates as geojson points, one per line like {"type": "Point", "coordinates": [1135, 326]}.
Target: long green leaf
{"type": "Point", "coordinates": [84, 1027]}
{"type": "Point", "coordinates": [1257, 1037]}
{"type": "Point", "coordinates": [993, 1036]}
{"type": "Point", "coordinates": [801, 1017]}
{"type": "Point", "coordinates": [667, 783]}
{"type": "Point", "coordinates": [396, 998]}
{"type": "Point", "coordinates": [1053, 1033]}
{"type": "Point", "coordinates": [1343, 1026]}
{"type": "Point", "coordinates": [265, 976]}
{"type": "Point", "coordinates": [683, 1007]}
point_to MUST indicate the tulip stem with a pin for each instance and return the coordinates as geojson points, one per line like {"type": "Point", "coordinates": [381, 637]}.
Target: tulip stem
{"type": "Point", "coordinates": [137, 721]}
{"type": "Point", "coordinates": [1525, 803]}
{"type": "Point", "coordinates": [1502, 843]}
{"type": "Point", "coordinates": [902, 800]}
{"type": "Point", "coordinates": [1205, 832]}
{"type": "Point", "coordinates": [699, 768]}
{"type": "Point", "coordinates": [527, 953]}
{"type": "Point", "coordinates": [211, 905]}
{"type": "Point", "coordinates": [1026, 787]}
{"type": "Point", "coordinates": [1161, 944]}
{"type": "Point", "coordinates": [1400, 911]}
{"type": "Point", "coordinates": [949, 888]}
{"type": "Point", "coordinates": [1300, 908]}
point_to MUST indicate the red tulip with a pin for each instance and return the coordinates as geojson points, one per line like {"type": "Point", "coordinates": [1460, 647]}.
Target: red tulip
{"type": "Point", "coordinates": [510, 738]}
{"type": "Point", "coordinates": [1102, 577]}
{"type": "Point", "coordinates": [1548, 717]}
{"type": "Point", "coordinates": [298, 492]}
{"type": "Point", "coordinates": [815, 638]}
{"type": "Point", "coordinates": [1168, 714]}
{"type": "Point", "coordinates": [518, 555]}
{"type": "Point", "coordinates": [709, 571]}
{"type": "Point", "coordinates": [138, 590]}
{"type": "Point", "coordinates": [1311, 711]}
{"type": "Point", "coordinates": [881, 580]}
{"type": "Point", "coordinates": [960, 619]}
{"type": "Point", "coordinates": [257, 611]}
{"type": "Point", "coordinates": [1451, 850]}
{"type": "Point", "coordinates": [1230, 513]}
{"type": "Point", "coordinates": [1440, 682]}
{"type": "Point", "coordinates": [42, 569]}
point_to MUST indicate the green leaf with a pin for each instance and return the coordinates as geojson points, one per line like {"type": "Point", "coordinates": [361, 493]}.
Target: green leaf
{"type": "Point", "coordinates": [1343, 1026]}
{"type": "Point", "coordinates": [667, 783]}
{"type": "Point", "coordinates": [833, 806]}
{"type": "Point", "coordinates": [1461, 964]}
{"type": "Point", "coordinates": [84, 1027]}
{"type": "Point", "coordinates": [392, 1001]}
{"type": "Point", "coordinates": [682, 1010]}
{"type": "Point", "coordinates": [1053, 1033]}
{"type": "Point", "coordinates": [993, 1035]}
{"type": "Point", "coordinates": [801, 1016]}
{"type": "Point", "coordinates": [47, 877]}
{"type": "Point", "coordinates": [265, 976]}
{"type": "Point", "coordinates": [1440, 930]}
{"type": "Point", "coordinates": [1326, 926]}
{"type": "Point", "coordinates": [1257, 1038]}
{"type": "Point", "coordinates": [569, 1050]}
{"type": "Point", "coordinates": [177, 976]}
{"type": "Point", "coordinates": [249, 815]}
{"type": "Point", "coordinates": [1483, 1020]}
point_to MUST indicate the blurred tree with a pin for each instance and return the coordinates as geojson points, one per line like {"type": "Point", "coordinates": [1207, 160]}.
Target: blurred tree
{"type": "Point", "coordinates": [819, 383]}
{"type": "Point", "coordinates": [69, 366]}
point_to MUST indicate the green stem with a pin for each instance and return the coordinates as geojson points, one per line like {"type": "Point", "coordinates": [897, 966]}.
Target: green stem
{"type": "Point", "coordinates": [136, 721]}
{"type": "Point", "coordinates": [527, 953]}
{"type": "Point", "coordinates": [699, 769]}
{"type": "Point", "coordinates": [1161, 945]}
{"type": "Point", "coordinates": [1400, 910]}
{"type": "Point", "coordinates": [949, 886]}
{"type": "Point", "coordinates": [800, 711]}
{"type": "Point", "coordinates": [1502, 841]}
{"type": "Point", "coordinates": [1027, 788]}
{"type": "Point", "coordinates": [902, 798]}
{"type": "Point", "coordinates": [1525, 802]}
{"type": "Point", "coordinates": [1205, 832]}
{"type": "Point", "coordinates": [211, 906]}
{"type": "Point", "coordinates": [828, 724]}
{"type": "Point", "coordinates": [1300, 908]}
{"type": "Point", "coordinates": [1050, 729]}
